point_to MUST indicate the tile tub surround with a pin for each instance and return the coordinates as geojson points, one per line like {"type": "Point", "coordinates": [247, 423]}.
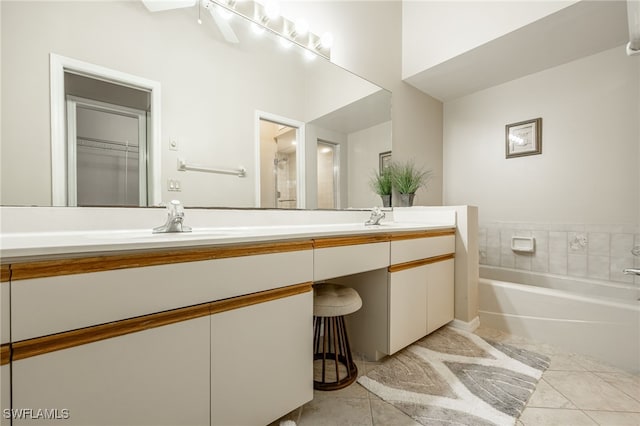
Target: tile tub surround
{"type": "Point", "coordinates": [557, 400]}
{"type": "Point", "coordinates": [598, 252]}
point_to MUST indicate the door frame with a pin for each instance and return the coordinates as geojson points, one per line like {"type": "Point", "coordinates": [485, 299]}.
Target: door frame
{"type": "Point", "coordinates": [72, 104]}
{"type": "Point", "coordinates": [58, 65]}
{"type": "Point", "coordinates": [300, 154]}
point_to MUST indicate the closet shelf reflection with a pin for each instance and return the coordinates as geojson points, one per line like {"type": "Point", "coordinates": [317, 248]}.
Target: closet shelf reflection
{"type": "Point", "coordinates": [107, 145]}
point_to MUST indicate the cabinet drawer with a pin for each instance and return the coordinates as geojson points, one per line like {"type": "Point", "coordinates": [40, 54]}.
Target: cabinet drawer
{"type": "Point", "coordinates": [42, 306]}
{"type": "Point", "coordinates": [334, 262]}
{"type": "Point", "coordinates": [421, 248]}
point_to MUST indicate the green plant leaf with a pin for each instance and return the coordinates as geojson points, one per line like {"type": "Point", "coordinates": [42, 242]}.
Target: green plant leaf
{"type": "Point", "coordinates": [382, 183]}
{"type": "Point", "coordinates": [407, 178]}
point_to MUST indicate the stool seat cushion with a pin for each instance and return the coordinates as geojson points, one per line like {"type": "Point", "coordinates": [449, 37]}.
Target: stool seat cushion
{"type": "Point", "coordinates": [332, 300]}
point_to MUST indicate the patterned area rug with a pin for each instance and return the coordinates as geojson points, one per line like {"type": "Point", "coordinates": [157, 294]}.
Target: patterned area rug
{"type": "Point", "coordinates": [452, 377]}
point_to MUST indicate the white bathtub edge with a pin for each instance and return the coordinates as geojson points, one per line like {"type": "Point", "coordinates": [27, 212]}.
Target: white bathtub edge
{"type": "Point", "coordinates": [575, 323]}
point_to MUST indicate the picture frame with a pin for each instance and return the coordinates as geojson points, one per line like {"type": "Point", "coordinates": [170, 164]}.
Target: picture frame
{"type": "Point", "coordinates": [384, 160]}
{"type": "Point", "coordinates": [523, 138]}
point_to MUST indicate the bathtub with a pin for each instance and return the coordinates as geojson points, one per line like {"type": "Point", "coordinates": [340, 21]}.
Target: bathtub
{"type": "Point", "coordinates": [594, 318]}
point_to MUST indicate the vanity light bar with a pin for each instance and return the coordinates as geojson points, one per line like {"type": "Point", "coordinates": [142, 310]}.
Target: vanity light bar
{"type": "Point", "coordinates": [265, 16]}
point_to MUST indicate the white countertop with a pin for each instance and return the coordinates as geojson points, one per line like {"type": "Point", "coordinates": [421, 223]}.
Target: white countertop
{"type": "Point", "coordinates": [21, 246]}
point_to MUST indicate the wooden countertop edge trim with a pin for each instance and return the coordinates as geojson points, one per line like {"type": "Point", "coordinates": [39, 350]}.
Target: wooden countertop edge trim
{"type": "Point", "coordinates": [421, 262]}
{"type": "Point", "coordinates": [5, 353]}
{"type": "Point", "coordinates": [411, 235]}
{"type": "Point", "coordinates": [68, 339]}
{"type": "Point", "coordinates": [81, 265]}
{"type": "Point", "coordinates": [5, 273]}
{"type": "Point", "coordinates": [349, 240]}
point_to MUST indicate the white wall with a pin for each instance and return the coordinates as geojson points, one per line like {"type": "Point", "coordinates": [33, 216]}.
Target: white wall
{"type": "Point", "coordinates": [435, 31]}
{"type": "Point", "coordinates": [588, 170]}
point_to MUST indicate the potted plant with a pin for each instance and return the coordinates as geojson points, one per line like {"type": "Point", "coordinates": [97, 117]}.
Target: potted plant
{"type": "Point", "coordinates": [381, 183]}
{"type": "Point", "coordinates": [407, 178]}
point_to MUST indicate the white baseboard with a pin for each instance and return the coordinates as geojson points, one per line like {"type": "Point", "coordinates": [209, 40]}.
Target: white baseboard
{"type": "Point", "coordinates": [470, 326]}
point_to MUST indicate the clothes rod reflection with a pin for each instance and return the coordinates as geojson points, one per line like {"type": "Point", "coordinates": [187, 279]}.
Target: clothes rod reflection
{"type": "Point", "coordinates": [183, 166]}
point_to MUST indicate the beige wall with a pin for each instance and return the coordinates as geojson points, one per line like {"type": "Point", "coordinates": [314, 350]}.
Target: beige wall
{"type": "Point", "coordinates": [435, 31]}
{"type": "Point", "coordinates": [588, 170]}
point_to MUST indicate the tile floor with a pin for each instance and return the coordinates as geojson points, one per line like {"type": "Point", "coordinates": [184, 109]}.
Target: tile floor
{"type": "Point", "coordinates": [574, 391]}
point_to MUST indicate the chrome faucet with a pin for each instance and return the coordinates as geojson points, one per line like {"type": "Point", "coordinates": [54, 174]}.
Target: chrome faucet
{"type": "Point", "coordinates": [631, 271]}
{"type": "Point", "coordinates": [175, 217]}
{"type": "Point", "coordinates": [376, 216]}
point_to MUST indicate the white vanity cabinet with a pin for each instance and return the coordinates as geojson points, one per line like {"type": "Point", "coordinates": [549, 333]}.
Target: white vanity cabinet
{"type": "Point", "coordinates": [219, 335]}
{"type": "Point", "coordinates": [440, 294]}
{"type": "Point", "coordinates": [420, 302]}
{"type": "Point", "coordinates": [152, 377]}
{"type": "Point", "coordinates": [261, 364]}
{"type": "Point", "coordinates": [409, 299]}
{"type": "Point", "coordinates": [407, 307]}
{"type": "Point", "coordinates": [421, 287]}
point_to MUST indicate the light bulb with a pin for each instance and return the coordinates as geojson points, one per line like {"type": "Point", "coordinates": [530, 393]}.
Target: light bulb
{"type": "Point", "coordinates": [301, 27]}
{"type": "Point", "coordinates": [272, 9]}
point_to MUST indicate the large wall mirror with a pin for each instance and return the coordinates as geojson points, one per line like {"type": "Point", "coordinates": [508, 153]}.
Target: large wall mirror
{"type": "Point", "coordinates": [109, 103]}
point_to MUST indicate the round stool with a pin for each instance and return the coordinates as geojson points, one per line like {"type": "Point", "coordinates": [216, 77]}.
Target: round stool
{"type": "Point", "coordinates": [331, 302]}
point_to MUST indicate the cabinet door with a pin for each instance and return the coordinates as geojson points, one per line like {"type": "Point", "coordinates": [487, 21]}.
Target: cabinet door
{"type": "Point", "coordinates": [153, 377]}
{"type": "Point", "coordinates": [407, 307]}
{"type": "Point", "coordinates": [5, 394]}
{"type": "Point", "coordinates": [439, 294]}
{"type": "Point", "coordinates": [261, 361]}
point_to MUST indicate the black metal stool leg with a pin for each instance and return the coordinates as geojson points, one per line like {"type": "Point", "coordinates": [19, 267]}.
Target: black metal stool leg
{"type": "Point", "coordinates": [335, 349]}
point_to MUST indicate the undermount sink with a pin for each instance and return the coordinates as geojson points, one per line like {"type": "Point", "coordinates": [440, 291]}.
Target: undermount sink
{"type": "Point", "coordinates": [147, 234]}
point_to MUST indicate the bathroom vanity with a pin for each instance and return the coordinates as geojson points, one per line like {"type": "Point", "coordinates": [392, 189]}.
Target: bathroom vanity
{"type": "Point", "coordinates": [124, 327]}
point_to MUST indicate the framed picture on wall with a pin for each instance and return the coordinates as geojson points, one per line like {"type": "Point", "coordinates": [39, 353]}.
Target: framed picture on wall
{"type": "Point", "coordinates": [385, 160]}
{"type": "Point", "coordinates": [524, 138]}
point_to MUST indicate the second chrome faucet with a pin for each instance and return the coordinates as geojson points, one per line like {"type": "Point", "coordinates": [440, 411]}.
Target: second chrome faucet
{"type": "Point", "coordinates": [376, 216]}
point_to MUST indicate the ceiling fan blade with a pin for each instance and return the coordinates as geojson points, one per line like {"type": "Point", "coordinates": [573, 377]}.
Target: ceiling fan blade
{"type": "Point", "coordinates": [223, 26]}
{"type": "Point", "coordinates": [160, 5]}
